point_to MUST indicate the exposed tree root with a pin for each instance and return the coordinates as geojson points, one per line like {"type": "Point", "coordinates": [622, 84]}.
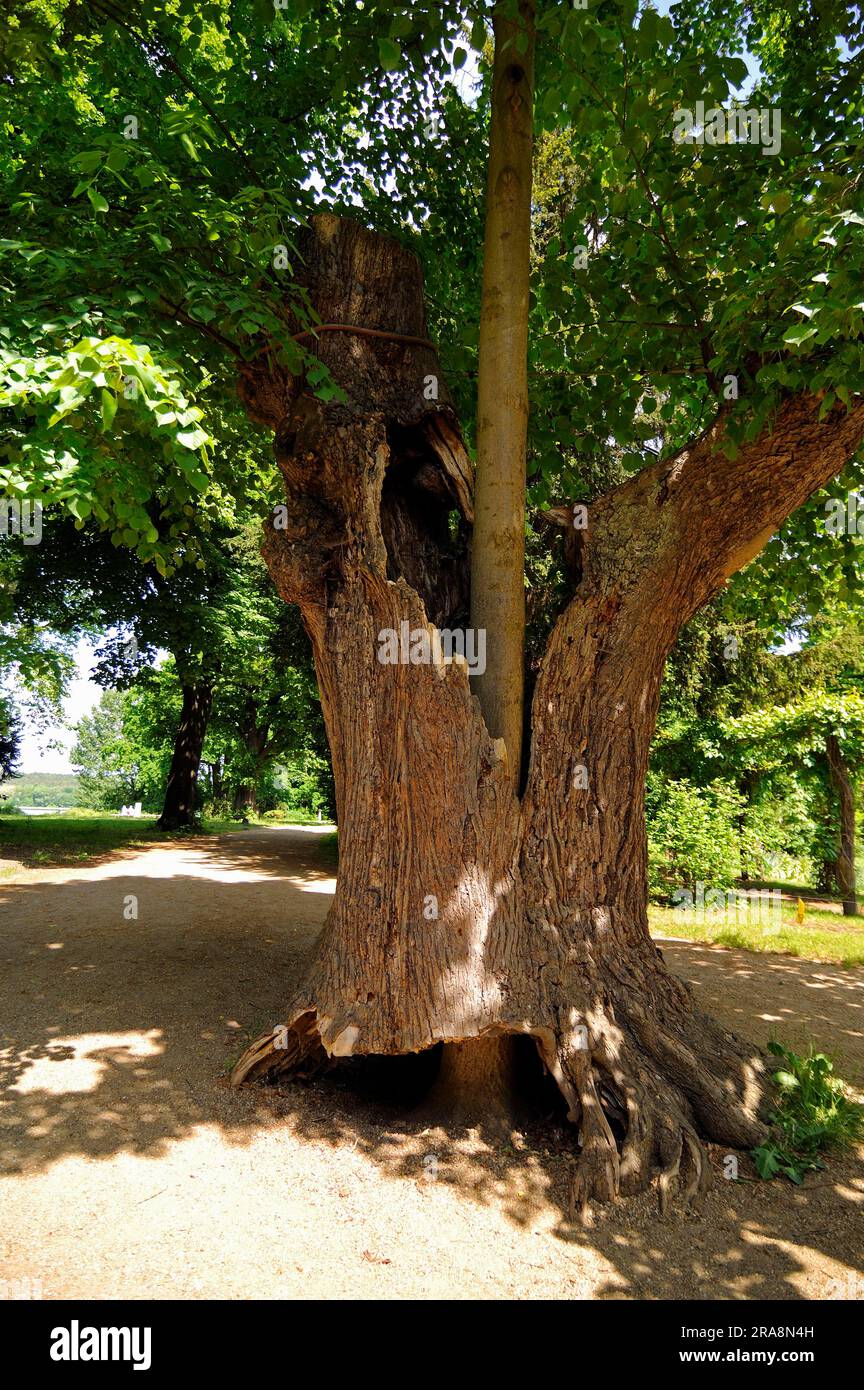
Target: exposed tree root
{"type": "Point", "coordinates": [645, 1088]}
{"type": "Point", "coordinates": [289, 1050]}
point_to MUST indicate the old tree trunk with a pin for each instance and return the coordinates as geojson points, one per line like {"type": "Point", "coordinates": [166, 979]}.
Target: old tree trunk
{"type": "Point", "coordinates": [465, 911]}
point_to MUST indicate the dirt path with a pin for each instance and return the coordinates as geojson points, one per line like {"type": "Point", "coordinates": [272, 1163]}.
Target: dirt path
{"type": "Point", "coordinates": [129, 1168]}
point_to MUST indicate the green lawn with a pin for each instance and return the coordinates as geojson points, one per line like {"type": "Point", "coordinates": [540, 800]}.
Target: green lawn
{"type": "Point", "coordinates": [59, 840]}
{"type": "Point", "coordinates": [823, 935]}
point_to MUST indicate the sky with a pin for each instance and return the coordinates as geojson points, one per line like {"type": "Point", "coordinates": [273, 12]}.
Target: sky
{"type": "Point", "coordinates": [36, 754]}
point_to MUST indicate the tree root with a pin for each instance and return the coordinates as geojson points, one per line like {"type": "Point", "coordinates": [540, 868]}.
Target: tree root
{"type": "Point", "coordinates": [291, 1049]}
{"type": "Point", "coordinates": [646, 1086]}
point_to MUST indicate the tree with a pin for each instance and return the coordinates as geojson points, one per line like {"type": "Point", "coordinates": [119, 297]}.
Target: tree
{"type": "Point", "coordinates": [699, 309]}
{"type": "Point", "coordinates": [826, 729]}
{"type": "Point", "coordinates": [116, 766]}
{"type": "Point", "coordinates": [10, 739]}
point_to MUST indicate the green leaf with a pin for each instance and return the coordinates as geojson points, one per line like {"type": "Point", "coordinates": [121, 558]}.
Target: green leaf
{"type": "Point", "coordinates": [390, 54]}
{"type": "Point", "coordinates": [192, 439]}
{"type": "Point", "coordinates": [799, 334]}
{"type": "Point", "coordinates": [109, 409]}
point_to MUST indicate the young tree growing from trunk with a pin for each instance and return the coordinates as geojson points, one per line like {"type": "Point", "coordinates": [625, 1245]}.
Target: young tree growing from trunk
{"type": "Point", "coordinates": [477, 1077]}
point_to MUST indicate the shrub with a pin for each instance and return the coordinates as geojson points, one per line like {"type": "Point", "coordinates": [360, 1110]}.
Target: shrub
{"type": "Point", "coordinates": [692, 836]}
{"type": "Point", "coordinates": [777, 835]}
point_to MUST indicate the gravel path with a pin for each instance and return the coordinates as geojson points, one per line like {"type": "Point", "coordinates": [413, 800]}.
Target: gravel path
{"type": "Point", "coordinates": [128, 1168]}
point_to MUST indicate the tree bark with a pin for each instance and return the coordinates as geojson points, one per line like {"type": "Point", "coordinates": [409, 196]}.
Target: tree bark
{"type": "Point", "coordinates": [498, 551]}
{"type": "Point", "coordinates": [245, 798]}
{"type": "Point", "coordinates": [845, 863]}
{"type": "Point", "coordinates": [462, 912]}
{"type": "Point", "coordinates": [476, 1078]}
{"type": "Point", "coordinates": [179, 808]}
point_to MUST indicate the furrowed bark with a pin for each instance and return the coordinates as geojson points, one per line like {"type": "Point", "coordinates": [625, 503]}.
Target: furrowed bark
{"type": "Point", "coordinates": [179, 807]}
{"type": "Point", "coordinates": [462, 913]}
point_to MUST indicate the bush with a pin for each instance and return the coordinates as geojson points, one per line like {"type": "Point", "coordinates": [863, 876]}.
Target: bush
{"type": "Point", "coordinates": [304, 782]}
{"type": "Point", "coordinates": [692, 836]}
{"type": "Point", "coordinates": [777, 835]}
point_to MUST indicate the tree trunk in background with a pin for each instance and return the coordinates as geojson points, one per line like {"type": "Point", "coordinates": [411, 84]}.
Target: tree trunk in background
{"type": "Point", "coordinates": [845, 866]}
{"type": "Point", "coordinates": [472, 1072]}
{"type": "Point", "coordinates": [255, 733]}
{"type": "Point", "coordinates": [179, 808]}
{"type": "Point", "coordinates": [461, 911]}
{"type": "Point", "coordinates": [245, 798]}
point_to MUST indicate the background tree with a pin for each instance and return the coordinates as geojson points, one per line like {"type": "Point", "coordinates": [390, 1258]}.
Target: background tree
{"type": "Point", "coordinates": [115, 767]}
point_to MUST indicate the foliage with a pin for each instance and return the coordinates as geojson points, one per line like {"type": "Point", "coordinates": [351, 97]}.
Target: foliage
{"type": "Point", "coordinates": [116, 758]}
{"type": "Point", "coordinates": [304, 782]}
{"type": "Point", "coordinates": [779, 833]}
{"type": "Point", "coordinates": [692, 837]}
{"type": "Point", "coordinates": [10, 739]}
{"type": "Point", "coordinates": [814, 1113]}
{"type": "Point", "coordinates": [152, 189]}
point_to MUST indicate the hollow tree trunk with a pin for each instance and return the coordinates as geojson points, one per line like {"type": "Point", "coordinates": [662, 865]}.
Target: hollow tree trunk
{"type": "Point", "coordinates": [461, 911]}
{"type": "Point", "coordinates": [179, 808]}
{"type": "Point", "coordinates": [845, 863]}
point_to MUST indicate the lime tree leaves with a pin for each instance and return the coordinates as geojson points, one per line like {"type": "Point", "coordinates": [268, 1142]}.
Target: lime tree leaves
{"type": "Point", "coordinates": [673, 278]}
{"type": "Point", "coordinates": [765, 739]}
{"type": "Point", "coordinates": [102, 430]}
{"type": "Point", "coordinates": [702, 264]}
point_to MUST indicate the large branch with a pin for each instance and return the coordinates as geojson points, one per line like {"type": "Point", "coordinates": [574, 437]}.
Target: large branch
{"type": "Point", "coordinates": [655, 550]}
{"type": "Point", "coordinates": [678, 530]}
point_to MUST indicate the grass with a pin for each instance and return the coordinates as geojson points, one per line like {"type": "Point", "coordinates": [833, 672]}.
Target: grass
{"type": "Point", "coordinates": [55, 841]}
{"type": "Point", "coordinates": [813, 1114]}
{"type": "Point", "coordinates": [287, 817]}
{"type": "Point", "coordinates": [823, 935]}
{"type": "Point", "coordinates": [52, 841]}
